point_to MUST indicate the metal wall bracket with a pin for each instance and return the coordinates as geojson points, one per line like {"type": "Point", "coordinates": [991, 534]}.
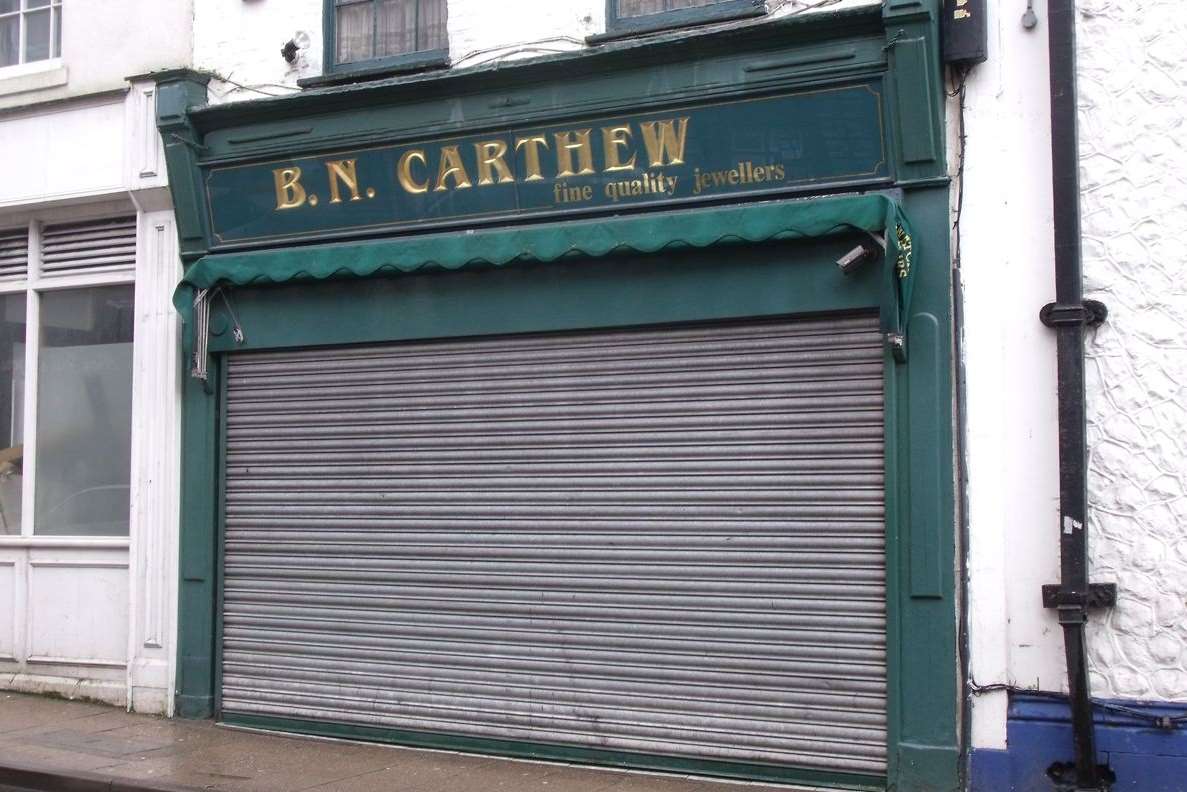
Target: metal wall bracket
{"type": "Point", "coordinates": [1091, 312]}
{"type": "Point", "coordinates": [1100, 595]}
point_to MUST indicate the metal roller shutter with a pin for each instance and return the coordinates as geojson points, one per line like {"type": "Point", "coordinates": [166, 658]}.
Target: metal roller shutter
{"type": "Point", "coordinates": [663, 540]}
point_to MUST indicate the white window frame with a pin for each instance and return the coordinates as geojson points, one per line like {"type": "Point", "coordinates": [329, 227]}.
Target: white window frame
{"type": "Point", "coordinates": [22, 12]}
{"type": "Point", "coordinates": [33, 286]}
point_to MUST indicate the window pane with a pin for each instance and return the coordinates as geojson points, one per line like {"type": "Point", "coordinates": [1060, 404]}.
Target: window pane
{"type": "Point", "coordinates": [395, 27]}
{"type": "Point", "coordinates": [10, 40]}
{"type": "Point", "coordinates": [8, 6]}
{"type": "Point", "coordinates": [57, 53]}
{"type": "Point", "coordinates": [84, 412]}
{"type": "Point", "coordinates": [12, 387]}
{"type": "Point", "coordinates": [632, 8]}
{"type": "Point", "coordinates": [355, 28]}
{"type": "Point", "coordinates": [36, 3]}
{"type": "Point", "coordinates": [37, 36]}
{"type": "Point", "coordinates": [434, 34]}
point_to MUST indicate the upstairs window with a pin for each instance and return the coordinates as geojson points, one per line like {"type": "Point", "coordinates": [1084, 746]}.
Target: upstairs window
{"type": "Point", "coordinates": [30, 30]}
{"type": "Point", "coordinates": [640, 16]}
{"type": "Point", "coordinates": [367, 34]}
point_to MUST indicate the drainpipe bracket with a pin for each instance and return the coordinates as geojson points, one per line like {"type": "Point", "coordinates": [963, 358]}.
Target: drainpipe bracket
{"type": "Point", "coordinates": [1092, 313]}
{"type": "Point", "coordinates": [1098, 596]}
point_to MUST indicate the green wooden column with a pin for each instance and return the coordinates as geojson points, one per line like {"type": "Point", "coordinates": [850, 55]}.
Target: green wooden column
{"type": "Point", "coordinates": [178, 92]}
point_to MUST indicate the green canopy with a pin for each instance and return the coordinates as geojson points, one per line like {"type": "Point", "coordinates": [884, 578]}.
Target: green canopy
{"type": "Point", "coordinates": [641, 233]}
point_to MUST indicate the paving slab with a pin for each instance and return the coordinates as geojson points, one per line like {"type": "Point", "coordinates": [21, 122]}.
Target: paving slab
{"type": "Point", "coordinates": [56, 758]}
{"type": "Point", "coordinates": [21, 712]}
{"type": "Point", "coordinates": [258, 762]}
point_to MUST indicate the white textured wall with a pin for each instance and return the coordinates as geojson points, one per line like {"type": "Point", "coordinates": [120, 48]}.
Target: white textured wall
{"type": "Point", "coordinates": [481, 31]}
{"type": "Point", "coordinates": [241, 41]}
{"type": "Point", "coordinates": [1133, 99]}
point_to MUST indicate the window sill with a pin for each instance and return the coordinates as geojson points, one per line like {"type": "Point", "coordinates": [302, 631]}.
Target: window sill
{"type": "Point", "coordinates": [388, 67]}
{"type": "Point", "coordinates": [112, 542]}
{"type": "Point", "coordinates": [671, 20]}
{"type": "Point", "coordinates": [33, 76]}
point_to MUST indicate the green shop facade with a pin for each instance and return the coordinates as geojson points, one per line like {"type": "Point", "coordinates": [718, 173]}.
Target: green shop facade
{"type": "Point", "coordinates": [530, 412]}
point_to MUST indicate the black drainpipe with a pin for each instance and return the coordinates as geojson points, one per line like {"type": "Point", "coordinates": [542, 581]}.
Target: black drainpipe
{"type": "Point", "coordinates": [1068, 315]}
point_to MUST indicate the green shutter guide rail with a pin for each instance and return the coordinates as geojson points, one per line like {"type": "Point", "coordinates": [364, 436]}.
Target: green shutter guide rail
{"type": "Point", "coordinates": [754, 146]}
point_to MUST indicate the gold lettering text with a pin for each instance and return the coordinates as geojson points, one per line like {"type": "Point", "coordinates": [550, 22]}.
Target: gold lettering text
{"type": "Point", "coordinates": [566, 145]}
{"type": "Point", "coordinates": [451, 165]}
{"type": "Point", "coordinates": [613, 139]}
{"type": "Point", "coordinates": [404, 172]}
{"type": "Point", "coordinates": [490, 158]}
{"type": "Point", "coordinates": [289, 192]}
{"type": "Point", "coordinates": [664, 140]}
{"type": "Point", "coordinates": [343, 171]}
{"type": "Point", "coordinates": [531, 153]}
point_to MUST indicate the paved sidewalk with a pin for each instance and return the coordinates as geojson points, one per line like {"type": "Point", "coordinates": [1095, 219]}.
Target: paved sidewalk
{"type": "Point", "coordinates": [90, 747]}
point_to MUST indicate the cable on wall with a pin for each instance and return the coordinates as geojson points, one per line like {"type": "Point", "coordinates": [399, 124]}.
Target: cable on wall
{"type": "Point", "coordinates": [1164, 722]}
{"type": "Point", "coordinates": [959, 78]}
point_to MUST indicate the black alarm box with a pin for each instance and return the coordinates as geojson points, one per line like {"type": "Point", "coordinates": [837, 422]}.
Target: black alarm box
{"type": "Point", "coordinates": [965, 31]}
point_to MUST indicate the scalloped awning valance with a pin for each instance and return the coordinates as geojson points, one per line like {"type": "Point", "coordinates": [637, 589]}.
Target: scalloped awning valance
{"type": "Point", "coordinates": [593, 238]}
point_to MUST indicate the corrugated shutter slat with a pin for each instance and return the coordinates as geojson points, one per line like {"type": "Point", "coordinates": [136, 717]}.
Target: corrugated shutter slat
{"type": "Point", "coordinates": [658, 540]}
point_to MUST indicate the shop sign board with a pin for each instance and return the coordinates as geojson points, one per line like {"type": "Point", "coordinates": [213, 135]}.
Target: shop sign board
{"type": "Point", "coordinates": [771, 144]}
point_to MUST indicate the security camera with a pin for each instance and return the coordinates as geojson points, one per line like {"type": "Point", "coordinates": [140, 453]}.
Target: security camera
{"type": "Point", "coordinates": [852, 261]}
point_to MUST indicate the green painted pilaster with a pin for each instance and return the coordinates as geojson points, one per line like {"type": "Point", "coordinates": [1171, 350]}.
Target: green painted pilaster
{"type": "Point", "coordinates": [197, 590]}
{"type": "Point", "coordinates": [916, 88]}
{"type": "Point", "coordinates": [925, 675]}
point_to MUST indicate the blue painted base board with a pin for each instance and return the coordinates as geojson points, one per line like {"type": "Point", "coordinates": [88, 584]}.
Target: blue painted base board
{"type": "Point", "coordinates": [1143, 757]}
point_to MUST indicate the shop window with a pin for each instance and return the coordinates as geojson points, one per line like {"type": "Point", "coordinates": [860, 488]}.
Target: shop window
{"type": "Point", "coordinates": [30, 30]}
{"type": "Point", "coordinates": [66, 318]}
{"type": "Point", "coordinates": [385, 34]}
{"type": "Point", "coordinates": [640, 16]}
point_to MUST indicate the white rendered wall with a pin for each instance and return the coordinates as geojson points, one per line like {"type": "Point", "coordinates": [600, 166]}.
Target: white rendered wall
{"type": "Point", "coordinates": [1009, 360]}
{"type": "Point", "coordinates": [103, 43]}
{"type": "Point", "coordinates": [51, 165]}
{"type": "Point", "coordinates": [1133, 106]}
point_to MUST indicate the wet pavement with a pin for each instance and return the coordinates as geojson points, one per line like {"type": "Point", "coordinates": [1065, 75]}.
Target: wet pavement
{"type": "Point", "coordinates": [49, 744]}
